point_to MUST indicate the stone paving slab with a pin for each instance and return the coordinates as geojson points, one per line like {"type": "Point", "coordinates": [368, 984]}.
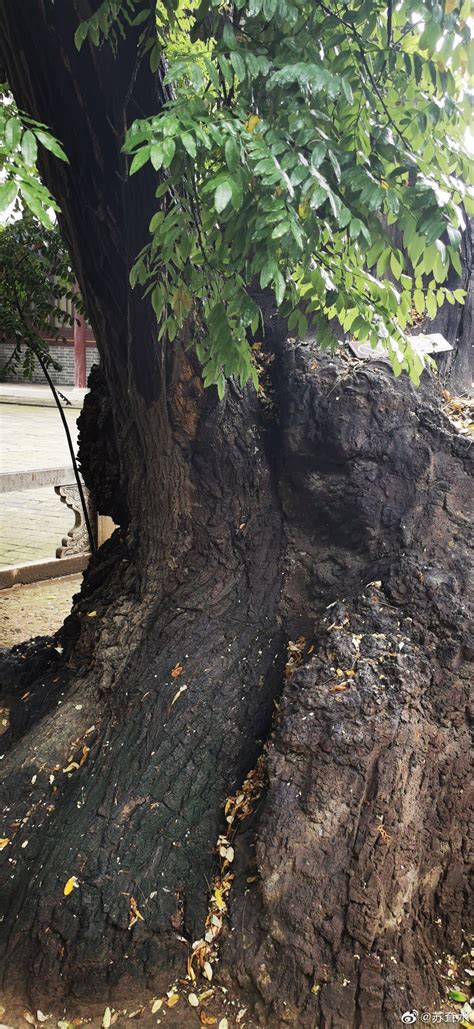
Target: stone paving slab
{"type": "Point", "coordinates": [32, 525]}
{"type": "Point", "coordinates": [33, 522]}
{"type": "Point", "coordinates": [38, 395]}
{"type": "Point", "coordinates": [33, 437]}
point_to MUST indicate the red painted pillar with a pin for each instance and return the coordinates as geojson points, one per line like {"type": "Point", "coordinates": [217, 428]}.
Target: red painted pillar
{"type": "Point", "coordinates": [80, 373]}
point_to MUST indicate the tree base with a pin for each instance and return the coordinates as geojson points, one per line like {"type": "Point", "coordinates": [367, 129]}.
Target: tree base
{"type": "Point", "coordinates": [128, 743]}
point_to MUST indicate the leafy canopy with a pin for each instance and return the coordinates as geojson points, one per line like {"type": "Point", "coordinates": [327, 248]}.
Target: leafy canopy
{"type": "Point", "coordinates": [297, 136]}
{"type": "Point", "coordinates": [35, 279]}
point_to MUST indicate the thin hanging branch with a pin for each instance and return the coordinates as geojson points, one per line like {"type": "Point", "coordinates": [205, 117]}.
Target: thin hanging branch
{"type": "Point", "coordinates": [71, 451]}
{"type": "Point", "coordinates": [42, 362]}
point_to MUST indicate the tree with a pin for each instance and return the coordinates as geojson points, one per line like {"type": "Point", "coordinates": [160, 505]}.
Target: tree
{"type": "Point", "coordinates": [131, 729]}
{"type": "Point", "coordinates": [35, 279]}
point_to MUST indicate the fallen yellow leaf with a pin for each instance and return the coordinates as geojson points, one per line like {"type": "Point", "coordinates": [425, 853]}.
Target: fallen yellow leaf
{"type": "Point", "coordinates": [206, 995]}
{"type": "Point", "coordinates": [71, 884]}
{"type": "Point", "coordinates": [178, 694]}
{"type": "Point", "coordinates": [193, 1000]}
{"type": "Point", "coordinates": [170, 1003]}
{"type": "Point", "coordinates": [157, 1004]}
{"type": "Point", "coordinates": [4, 842]}
{"type": "Point", "coordinates": [135, 914]}
{"type": "Point", "coordinates": [106, 1019]}
{"type": "Point", "coordinates": [93, 614]}
{"type": "Point", "coordinates": [219, 900]}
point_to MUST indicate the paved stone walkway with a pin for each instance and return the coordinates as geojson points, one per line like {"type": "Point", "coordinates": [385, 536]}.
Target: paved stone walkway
{"type": "Point", "coordinates": [33, 522]}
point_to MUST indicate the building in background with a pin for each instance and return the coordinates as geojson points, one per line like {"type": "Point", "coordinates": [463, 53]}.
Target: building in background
{"type": "Point", "coordinates": [76, 352]}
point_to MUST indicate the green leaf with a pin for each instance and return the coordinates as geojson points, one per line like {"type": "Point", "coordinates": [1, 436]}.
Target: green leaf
{"type": "Point", "coordinates": [157, 300]}
{"type": "Point", "coordinates": [50, 143]}
{"type": "Point", "coordinates": [33, 200]}
{"type": "Point", "coordinates": [156, 155]}
{"type": "Point", "coordinates": [155, 58]}
{"type": "Point", "coordinates": [269, 9]}
{"type": "Point", "coordinates": [232, 156]}
{"type": "Point", "coordinates": [140, 18]}
{"type": "Point", "coordinates": [281, 229]}
{"type": "Point", "coordinates": [8, 192]}
{"type": "Point", "coordinates": [13, 132]}
{"type": "Point", "coordinates": [222, 196]}
{"type": "Point", "coordinates": [81, 34]}
{"type": "Point", "coordinates": [269, 270]}
{"type": "Point", "coordinates": [189, 143]}
{"type": "Point", "coordinates": [458, 996]}
{"type": "Point", "coordinates": [395, 265]}
{"type": "Point", "coordinates": [355, 227]}
{"type": "Point", "coordinates": [318, 154]}
{"type": "Point", "coordinates": [431, 305]}
{"type": "Point", "coordinates": [156, 221]}
{"type": "Point", "coordinates": [430, 36]}
{"type": "Point", "coordinates": [237, 194]}
{"type": "Point", "coordinates": [419, 301]}
{"type": "Point", "coordinates": [169, 148]}
{"type": "Point", "coordinates": [29, 148]}
{"type": "Point", "coordinates": [318, 196]}
{"type": "Point", "coordinates": [141, 157]}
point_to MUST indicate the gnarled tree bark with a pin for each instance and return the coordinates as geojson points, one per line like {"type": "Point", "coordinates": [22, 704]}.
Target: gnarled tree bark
{"type": "Point", "coordinates": [239, 524]}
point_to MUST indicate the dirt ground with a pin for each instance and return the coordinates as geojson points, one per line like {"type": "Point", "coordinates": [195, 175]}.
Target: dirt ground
{"type": "Point", "coordinates": [38, 609]}
{"type": "Point", "coordinates": [218, 1010]}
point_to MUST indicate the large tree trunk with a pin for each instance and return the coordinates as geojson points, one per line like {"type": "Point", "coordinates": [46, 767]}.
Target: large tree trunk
{"type": "Point", "coordinates": [239, 523]}
{"type": "Point", "coordinates": [191, 579]}
{"type": "Point", "coordinates": [361, 841]}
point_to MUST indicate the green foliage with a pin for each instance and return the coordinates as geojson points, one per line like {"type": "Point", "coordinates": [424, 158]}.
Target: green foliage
{"type": "Point", "coordinates": [35, 279]}
{"type": "Point", "coordinates": [297, 135]}
{"type": "Point", "coordinates": [20, 185]}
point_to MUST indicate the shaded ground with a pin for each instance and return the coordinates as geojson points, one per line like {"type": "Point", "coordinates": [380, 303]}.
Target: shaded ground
{"type": "Point", "coordinates": [38, 609]}
{"type": "Point", "coordinates": [219, 1010]}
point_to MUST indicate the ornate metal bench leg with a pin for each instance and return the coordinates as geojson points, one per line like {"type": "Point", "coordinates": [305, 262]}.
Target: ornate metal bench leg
{"type": "Point", "coordinates": [77, 540]}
